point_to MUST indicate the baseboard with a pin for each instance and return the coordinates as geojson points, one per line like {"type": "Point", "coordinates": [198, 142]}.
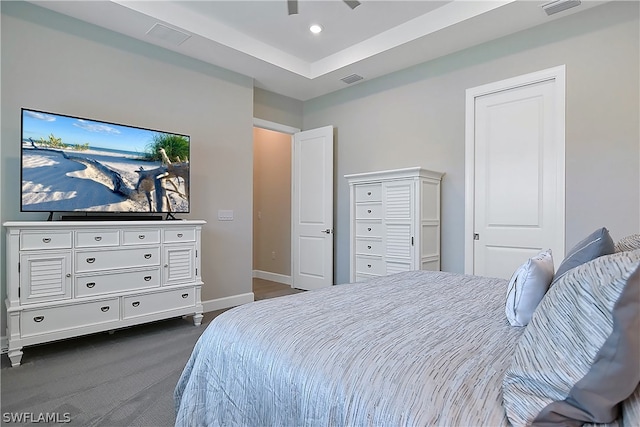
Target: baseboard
{"type": "Point", "coordinates": [227, 302]}
{"type": "Point", "coordinates": [272, 277]}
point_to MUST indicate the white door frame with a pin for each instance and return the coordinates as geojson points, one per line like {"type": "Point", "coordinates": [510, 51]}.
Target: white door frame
{"type": "Point", "coordinates": [288, 130]}
{"type": "Point", "coordinates": [558, 75]}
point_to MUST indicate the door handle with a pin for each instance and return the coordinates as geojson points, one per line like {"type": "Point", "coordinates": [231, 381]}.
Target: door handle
{"type": "Point", "coordinates": [327, 231]}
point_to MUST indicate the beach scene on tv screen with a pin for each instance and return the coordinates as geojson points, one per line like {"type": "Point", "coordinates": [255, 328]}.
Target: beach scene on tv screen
{"type": "Point", "coordinates": [74, 164]}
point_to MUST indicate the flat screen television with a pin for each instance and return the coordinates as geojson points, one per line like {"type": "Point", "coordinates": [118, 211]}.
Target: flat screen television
{"type": "Point", "coordinates": [75, 164]}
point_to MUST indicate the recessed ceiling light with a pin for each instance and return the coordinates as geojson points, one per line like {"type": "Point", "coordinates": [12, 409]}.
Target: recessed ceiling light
{"type": "Point", "coordinates": [315, 28]}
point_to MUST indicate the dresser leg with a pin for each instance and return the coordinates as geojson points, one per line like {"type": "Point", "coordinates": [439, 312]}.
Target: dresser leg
{"type": "Point", "coordinates": [197, 319]}
{"type": "Point", "coordinates": [15, 356]}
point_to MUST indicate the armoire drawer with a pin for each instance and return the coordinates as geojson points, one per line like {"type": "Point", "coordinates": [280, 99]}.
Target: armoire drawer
{"type": "Point", "coordinates": [45, 240]}
{"type": "Point", "coordinates": [97, 238]}
{"type": "Point", "coordinates": [361, 277]}
{"type": "Point", "coordinates": [141, 305]}
{"type": "Point", "coordinates": [369, 247]}
{"type": "Point", "coordinates": [369, 229]}
{"type": "Point", "coordinates": [369, 265]}
{"type": "Point", "coordinates": [368, 192]}
{"type": "Point", "coordinates": [63, 317]}
{"type": "Point", "coordinates": [114, 259]}
{"type": "Point", "coordinates": [105, 283]}
{"type": "Point", "coordinates": [369, 211]}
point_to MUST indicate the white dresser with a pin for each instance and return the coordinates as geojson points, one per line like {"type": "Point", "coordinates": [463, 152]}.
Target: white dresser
{"type": "Point", "coordinates": [394, 222]}
{"type": "Point", "coordinates": [66, 279]}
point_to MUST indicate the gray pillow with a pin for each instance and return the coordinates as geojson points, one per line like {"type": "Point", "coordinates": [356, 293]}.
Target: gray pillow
{"type": "Point", "coordinates": [595, 245]}
{"type": "Point", "coordinates": [578, 357]}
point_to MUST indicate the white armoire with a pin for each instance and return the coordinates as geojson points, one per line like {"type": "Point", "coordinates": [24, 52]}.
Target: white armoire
{"type": "Point", "coordinates": [394, 222]}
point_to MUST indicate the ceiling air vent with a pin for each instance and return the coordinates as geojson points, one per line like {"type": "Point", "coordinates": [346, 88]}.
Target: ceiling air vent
{"type": "Point", "coordinates": [559, 5]}
{"type": "Point", "coordinates": [351, 79]}
{"type": "Point", "coordinates": [168, 35]}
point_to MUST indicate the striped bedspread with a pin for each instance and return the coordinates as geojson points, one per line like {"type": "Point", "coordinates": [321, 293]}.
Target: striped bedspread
{"type": "Point", "coordinates": [411, 349]}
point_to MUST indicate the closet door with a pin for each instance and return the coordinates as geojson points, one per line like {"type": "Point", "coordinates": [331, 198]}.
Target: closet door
{"type": "Point", "coordinates": [515, 189]}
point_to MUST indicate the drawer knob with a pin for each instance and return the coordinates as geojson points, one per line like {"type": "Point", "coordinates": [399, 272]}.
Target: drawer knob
{"type": "Point", "coordinates": [180, 235]}
{"type": "Point", "coordinates": [368, 246]}
{"type": "Point", "coordinates": [105, 308]}
{"type": "Point", "coordinates": [147, 278]}
{"type": "Point", "coordinates": [135, 303]}
{"type": "Point", "coordinates": [147, 256]}
{"type": "Point", "coordinates": [38, 319]}
{"type": "Point", "coordinates": [46, 239]}
{"type": "Point", "coordinates": [141, 236]}
{"type": "Point", "coordinates": [368, 193]}
{"type": "Point", "coordinates": [91, 260]}
{"type": "Point", "coordinates": [98, 238]}
{"type": "Point", "coordinates": [68, 274]}
{"type": "Point", "coordinates": [91, 285]}
{"type": "Point", "coordinates": [185, 295]}
{"type": "Point", "coordinates": [368, 228]}
{"type": "Point", "coordinates": [368, 210]}
{"type": "Point", "coordinates": [368, 265]}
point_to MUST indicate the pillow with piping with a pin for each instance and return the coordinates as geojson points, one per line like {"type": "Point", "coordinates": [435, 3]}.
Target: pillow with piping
{"type": "Point", "coordinates": [527, 287]}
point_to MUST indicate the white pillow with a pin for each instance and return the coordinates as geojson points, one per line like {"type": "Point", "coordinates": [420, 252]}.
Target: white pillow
{"type": "Point", "coordinates": [527, 287]}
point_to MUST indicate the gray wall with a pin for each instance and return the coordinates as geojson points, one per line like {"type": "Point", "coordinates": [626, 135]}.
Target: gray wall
{"type": "Point", "coordinates": [277, 108]}
{"type": "Point", "coordinates": [416, 117]}
{"type": "Point", "coordinates": [55, 63]}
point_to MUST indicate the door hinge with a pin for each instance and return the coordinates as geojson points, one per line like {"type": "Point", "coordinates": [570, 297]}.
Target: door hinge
{"type": "Point", "coordinates": [18, 291]}
{"type": "Point", "coordinates": [18, 267]}
{"type": "Point", "coordinates": [411, 240]}
{"type": "Point", "coordinates": [476, 236]}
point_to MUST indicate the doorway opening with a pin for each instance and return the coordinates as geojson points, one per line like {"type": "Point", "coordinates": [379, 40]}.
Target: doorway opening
{"type": "Point", "coordinates": [272, 175]}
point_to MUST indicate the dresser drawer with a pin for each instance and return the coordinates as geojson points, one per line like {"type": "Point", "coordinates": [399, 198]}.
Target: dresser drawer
{"type": "Point", "coordinates": [157, 302]}
{"type": "Point", "coordinates": [115, 259]}
{"type": "Point", "coordinates": [140, 237]}
{"type": "Point", "coordinates": [175, 235]}
{"type": "Point", "coordinates": [369, 211]}
{"type": "Point", "coordinates": [45, 240]}
{"type": "Point", "coordinates": [60, 318]}
{"type": "Point", "coordinates": [369, 192]}
{"type": "Point", "coordinates": [104, 283]}
{"type": "Point", "coordinates": [368, 229]}
{"type": "Point", "coordinates": [97, 238]}
{"type": "Point", "coordinates": [368, 265]}
{"type": "Point", "coordinates": [369, 247]}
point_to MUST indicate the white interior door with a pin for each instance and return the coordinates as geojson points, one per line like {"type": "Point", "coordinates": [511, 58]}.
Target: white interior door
{"type": "Point", "coordinates": [516, 186]}
{"type": "Point", "coordinates": [312, 216]}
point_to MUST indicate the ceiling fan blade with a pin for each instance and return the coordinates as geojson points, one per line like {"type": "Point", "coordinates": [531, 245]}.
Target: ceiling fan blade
{"type": "Point", "coordinates": [292, 6]}
{"type": "Point", "coordinates": [352, 3]}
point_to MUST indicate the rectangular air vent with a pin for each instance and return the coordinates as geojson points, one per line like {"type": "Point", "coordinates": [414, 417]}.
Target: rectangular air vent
{"type": "Point", "coordinates": [351, 79]}
{"type": "Point", "coordinates": [168, 35]}
{"type": "Point", "coordinates": [559, 5]}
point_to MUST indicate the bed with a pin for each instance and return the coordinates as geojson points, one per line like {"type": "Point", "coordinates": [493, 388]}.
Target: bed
{"type": "Point", "coordinates": [375, 356]}
{"type": "Point", "coordinates": [417, 348]}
